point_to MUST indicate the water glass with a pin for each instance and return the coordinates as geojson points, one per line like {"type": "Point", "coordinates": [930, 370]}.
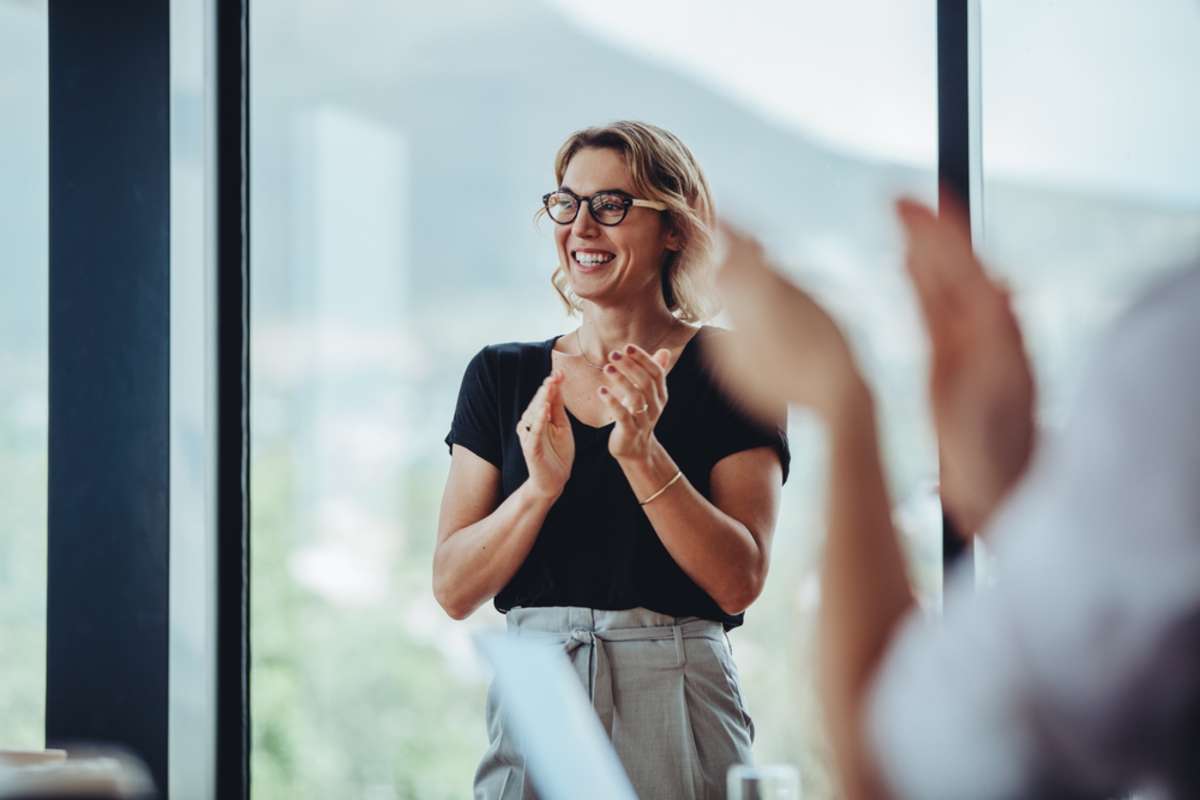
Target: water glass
{"type": "Point", "coordinates": [768, 782]}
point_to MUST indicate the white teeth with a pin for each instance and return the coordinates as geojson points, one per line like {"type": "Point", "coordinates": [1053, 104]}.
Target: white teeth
{"type": "Point", "coordinates": [591, 259]}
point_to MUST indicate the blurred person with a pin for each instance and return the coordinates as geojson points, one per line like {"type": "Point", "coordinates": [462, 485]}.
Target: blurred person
{"type": "Point", "coordinates": [603, 491]}
{"type": "Point", "coordinates": [1078, 673]}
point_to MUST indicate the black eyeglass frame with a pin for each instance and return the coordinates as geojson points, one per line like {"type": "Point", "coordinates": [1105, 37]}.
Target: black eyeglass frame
{"type": "Point", "coordinates": [627, 201]}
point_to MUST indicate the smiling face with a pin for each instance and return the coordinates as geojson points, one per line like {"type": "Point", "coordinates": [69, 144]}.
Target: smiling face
{"type": "Point", "coordinates": [611, 265]}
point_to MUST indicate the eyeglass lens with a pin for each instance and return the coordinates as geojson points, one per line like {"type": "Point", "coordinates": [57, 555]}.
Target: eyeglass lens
{"type": "Point", "coordinates": [607, 208]}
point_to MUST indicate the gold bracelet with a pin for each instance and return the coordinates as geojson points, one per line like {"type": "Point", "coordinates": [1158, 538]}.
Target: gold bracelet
{"type": "Point", "coordinates": [678, 475]}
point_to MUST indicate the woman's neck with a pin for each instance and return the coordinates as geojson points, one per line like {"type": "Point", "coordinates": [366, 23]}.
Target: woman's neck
{"type": "Point", "coordinates": [604, 330]}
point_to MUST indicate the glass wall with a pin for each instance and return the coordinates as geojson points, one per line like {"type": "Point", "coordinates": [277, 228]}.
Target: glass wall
{"type": "Point", "coordinates": [23, 372]}
{"type": "Point", "coordinates": [399, 153]}
{"type": "Point", "coordinates": [1091, 172]}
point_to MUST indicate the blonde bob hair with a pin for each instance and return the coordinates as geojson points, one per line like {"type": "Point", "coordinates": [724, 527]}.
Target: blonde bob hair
{"type": "Point", "coordinates": [663, 169]}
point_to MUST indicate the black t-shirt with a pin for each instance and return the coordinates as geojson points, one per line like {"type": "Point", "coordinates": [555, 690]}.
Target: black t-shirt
{"type": "Point", "coordinates": [596, 548]}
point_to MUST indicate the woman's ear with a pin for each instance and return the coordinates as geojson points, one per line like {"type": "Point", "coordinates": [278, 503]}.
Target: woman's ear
{"type": "Point", "coordinates": [674, 241]}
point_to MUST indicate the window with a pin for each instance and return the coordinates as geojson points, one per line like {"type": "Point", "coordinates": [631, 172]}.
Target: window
{"type": "Point", "coordinates": [23, 367]}
{"type": "Point", "coordinates": [1091, 173]}
{"type": "Point", "coordinates": [398, 157]}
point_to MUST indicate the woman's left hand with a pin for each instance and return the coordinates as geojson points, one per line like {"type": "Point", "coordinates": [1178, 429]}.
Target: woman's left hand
{"type": "Point", "coordinates": [636, 395]}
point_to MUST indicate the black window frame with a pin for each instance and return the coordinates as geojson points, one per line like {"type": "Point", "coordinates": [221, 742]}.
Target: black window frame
{"type": "Point", "coordinates": [108, 480]}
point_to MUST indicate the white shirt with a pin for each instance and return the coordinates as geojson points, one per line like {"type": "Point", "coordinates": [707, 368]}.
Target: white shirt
{"type": "Point", "coordinates": [1077, 674]}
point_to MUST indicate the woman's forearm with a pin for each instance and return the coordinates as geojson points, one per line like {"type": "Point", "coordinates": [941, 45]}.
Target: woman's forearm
{"type": "Point", "coordinates": [715, 550]}
{"type": "Point", "coordinates": [473, 564]}
{"type": "Point", "coordinates": [864, 585]}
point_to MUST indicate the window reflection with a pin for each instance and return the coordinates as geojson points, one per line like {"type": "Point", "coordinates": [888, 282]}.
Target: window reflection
{"type": "Point", "coordinates": [1091, 176]}
{"type": "Point", "coordinates": [23, 372]}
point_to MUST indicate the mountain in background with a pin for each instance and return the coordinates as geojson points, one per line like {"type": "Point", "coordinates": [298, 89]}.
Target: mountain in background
{"type": "Point", "coordinates": [478, 96]}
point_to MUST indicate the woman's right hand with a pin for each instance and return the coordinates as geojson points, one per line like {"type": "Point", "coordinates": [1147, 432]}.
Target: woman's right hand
{"type": "Point", "coordinates": [547, 442]}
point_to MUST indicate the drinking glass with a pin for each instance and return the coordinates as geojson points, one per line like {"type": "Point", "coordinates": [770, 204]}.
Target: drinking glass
{"type": "Point", "coordinates": [768, 782]}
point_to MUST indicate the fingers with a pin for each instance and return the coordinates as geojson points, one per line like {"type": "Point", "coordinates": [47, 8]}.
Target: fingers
{"type": "Point", "coordinates": [558, 406]}
{"type": "Point", "coordinates": [527, 416]}
{"type": "Point", "coordinates": [940, 243]}
{"type": "Point", "coordinates": [538, 425]}
{"type": "Point", "coordinates": [747, 282]}
{"type": "Point", "coordinates": [741, 257]}
{"type": "Point", "coordinates": [539, 401]}
{"type": "Point", "coordinates": [653, 368]}
{"type": "Point", "coordinates": [620, 413]}
{"type": "Point", "coordinates": [648, 375]}
{"type": "Point", "coordinates": [948, 278]}
{"type": "Point", "coordinates": [635, 395]}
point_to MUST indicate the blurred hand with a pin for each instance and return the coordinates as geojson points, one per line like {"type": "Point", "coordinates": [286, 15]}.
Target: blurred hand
{"type": "Point", "coordinates": [981, 386]}
{"type": "Point", "coordinates": [547, 442]}
{"type": "Point", "coordinates": [784, 348]}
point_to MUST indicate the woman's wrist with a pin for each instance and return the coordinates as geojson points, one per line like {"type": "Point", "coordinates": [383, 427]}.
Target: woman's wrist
{"type": "Point", "coordinates": [537, 495]}
{"type": "Point", "coordinates": [648, 472]}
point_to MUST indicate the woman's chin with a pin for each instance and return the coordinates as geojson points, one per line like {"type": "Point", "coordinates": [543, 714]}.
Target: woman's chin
{"type": "Point", "coordinates": [590, 289]}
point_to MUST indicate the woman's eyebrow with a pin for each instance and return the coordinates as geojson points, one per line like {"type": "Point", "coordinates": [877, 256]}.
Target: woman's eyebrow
{"type": "Point", "coordinates": [565, 188]}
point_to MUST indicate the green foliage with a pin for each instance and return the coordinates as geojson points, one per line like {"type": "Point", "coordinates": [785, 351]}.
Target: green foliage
{"type": "Point", "coordinates": [348, 702]}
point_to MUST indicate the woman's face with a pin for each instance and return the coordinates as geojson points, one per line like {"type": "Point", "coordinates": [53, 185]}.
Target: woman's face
{"type": "Point", "coordinates": [611, 265]}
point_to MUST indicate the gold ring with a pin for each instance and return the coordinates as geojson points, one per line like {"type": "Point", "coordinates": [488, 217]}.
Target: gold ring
{"type": "Point", "coordinates": [645, 407]}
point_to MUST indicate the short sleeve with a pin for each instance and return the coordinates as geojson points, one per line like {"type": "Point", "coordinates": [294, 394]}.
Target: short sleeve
{"type": "Point", "coordinates": [476, 423]}
{"type": "Point", "coordinates": [732, 430]}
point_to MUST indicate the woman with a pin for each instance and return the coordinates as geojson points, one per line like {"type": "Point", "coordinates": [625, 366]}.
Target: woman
{"type": "Point", "coordinates": [603, 490]}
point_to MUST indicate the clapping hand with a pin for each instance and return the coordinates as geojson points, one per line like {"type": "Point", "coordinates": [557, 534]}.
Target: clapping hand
{"type": "Point", "coordinates": [636, 395]}
{"type": "Point", "coordinates": [785, 347]}
{"type": "Point", "coordinates": [981, 385]}
{"type": "Point", "coordinates": [547, 442]}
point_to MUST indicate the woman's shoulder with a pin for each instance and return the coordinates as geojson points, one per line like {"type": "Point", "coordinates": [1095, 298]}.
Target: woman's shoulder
{"type": "Point", "coordinates": [515, 351]}
{"type": "Point", "coordinates": [694, 357]}
{"type": "Point", "coordinates": [504, 358]}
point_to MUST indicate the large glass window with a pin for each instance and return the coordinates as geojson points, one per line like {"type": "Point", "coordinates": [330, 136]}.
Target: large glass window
{"type": "Point", "coordinates": [23, 372]}
{"type": "Point", "coordinates": [1091, 172]}
{"type": "Point", "coordinates": [399, 154]}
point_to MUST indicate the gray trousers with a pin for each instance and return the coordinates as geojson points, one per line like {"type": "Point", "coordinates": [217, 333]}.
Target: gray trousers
{"type": "Point", "coordinates": [665, 689]}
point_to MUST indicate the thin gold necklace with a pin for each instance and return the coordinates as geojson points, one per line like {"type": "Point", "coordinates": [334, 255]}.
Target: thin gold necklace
{"type": "Point", "coordinates": [588, 361]}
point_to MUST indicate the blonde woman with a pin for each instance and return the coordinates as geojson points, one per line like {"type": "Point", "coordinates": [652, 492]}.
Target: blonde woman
{"type": "Point", "coordinates": [603, 490]}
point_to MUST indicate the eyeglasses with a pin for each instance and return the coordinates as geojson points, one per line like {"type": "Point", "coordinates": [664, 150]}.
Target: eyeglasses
{"type": "Point", "coordinates": [607, 208]}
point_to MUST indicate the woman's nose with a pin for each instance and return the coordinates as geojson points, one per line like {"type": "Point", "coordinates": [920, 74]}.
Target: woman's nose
{"type": "Point", "coordinates": [584, 226]}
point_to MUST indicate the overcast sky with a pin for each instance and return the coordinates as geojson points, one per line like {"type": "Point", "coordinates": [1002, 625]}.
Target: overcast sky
{"type": "Point", "coordinates": [1104, 93]}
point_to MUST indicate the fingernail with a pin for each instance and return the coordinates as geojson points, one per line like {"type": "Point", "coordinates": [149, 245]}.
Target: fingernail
{"type": "Point", "coordinates": [617, 356]}
{"type": "Point", "coordinates": [610, 369]}
{"type": "Point", "coordinates": [629, 349]}
{"type": "Point", "coordinates": [603, 390]}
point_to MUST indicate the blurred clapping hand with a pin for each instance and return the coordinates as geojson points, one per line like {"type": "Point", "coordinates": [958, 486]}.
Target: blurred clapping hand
{"type": "Point", "coordinates": [787, 348]}
{"type": "Point", "coordinates": [981, 386]}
